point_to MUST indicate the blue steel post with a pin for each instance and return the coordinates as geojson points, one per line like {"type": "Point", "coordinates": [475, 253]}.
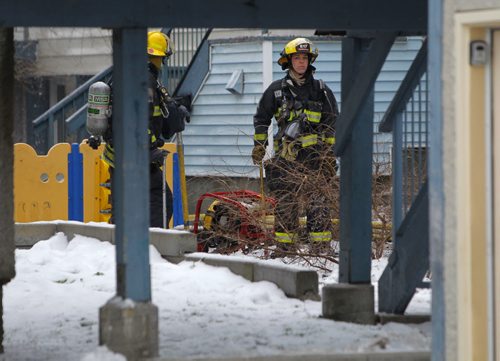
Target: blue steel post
{"type": "Point", "coordinates": [7, 231]}
{"type": "Point", "coordinates": [356, 174]}
{"type": "Point", "coordinates": [75, 184]}
{"type": "Point", "coordinates": [131, 177]}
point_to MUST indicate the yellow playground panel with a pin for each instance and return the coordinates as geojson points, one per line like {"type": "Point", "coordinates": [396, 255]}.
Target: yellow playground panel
{"type": "Point", "coordinates": [96, 205]}
{"type": "Point", "coordinates": [96, 202]}
{"type": "Point", "coordinates": [40, 183]}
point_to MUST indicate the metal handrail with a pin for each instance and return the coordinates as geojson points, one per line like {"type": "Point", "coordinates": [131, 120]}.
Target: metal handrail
{"type": "Point", "coordinates": [71, 121]}
{"type": "Point", "coordinates": [406, 89]}
{"type": "Point", "coordinates": [71, 96]}
{"type": "Point", "coordinates": [407, 119]}
{"type": "Point", "coordinates": [195, 55]}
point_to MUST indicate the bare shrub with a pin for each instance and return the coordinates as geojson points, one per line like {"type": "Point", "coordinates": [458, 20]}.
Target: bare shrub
{"type": "Point", "coordinates": [248, 225]}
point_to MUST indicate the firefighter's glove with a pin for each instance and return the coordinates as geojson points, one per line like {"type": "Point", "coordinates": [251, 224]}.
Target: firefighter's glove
{"type": "Point", "coordinates": [94, 142]}
{"type": "Point", "coordinates": [157, 156]}
{"type": "Point", "coordinates": [159, 143]}
{"type": "Point", "coordinates": [258, 154]}
{"type": "Point", "coordinates": [288, 150]}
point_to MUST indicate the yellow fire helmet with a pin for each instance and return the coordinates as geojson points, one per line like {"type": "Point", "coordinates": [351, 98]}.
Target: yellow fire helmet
{"type": "Point", "coordinates": [297, 45]}
{"type": "Point", "coordinates": [159, 44]}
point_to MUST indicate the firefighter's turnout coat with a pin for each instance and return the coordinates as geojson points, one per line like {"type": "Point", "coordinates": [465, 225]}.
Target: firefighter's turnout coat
{"type": "Point", "coordinates": [306, 117]}
{"type": "Point", "coordinates": [165, 119]}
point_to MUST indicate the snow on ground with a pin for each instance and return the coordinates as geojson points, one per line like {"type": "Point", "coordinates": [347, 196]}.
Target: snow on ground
{"type": "Point", "coordinates": [51, 310]}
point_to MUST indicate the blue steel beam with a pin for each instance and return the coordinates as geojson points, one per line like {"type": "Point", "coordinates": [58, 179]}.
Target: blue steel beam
{"type": "Point", "coordinates": [131, 175]}
{"type": "Point", "coordinates": [362, 85]}
{"type": "Point", "coordinates": [405, 17]}
{"type": "Point", "coordinates": [409, 260]}
{"type": "Point", "coordinates": [197, 70]}
{"type": "Point", "coordinates": [356, 172]}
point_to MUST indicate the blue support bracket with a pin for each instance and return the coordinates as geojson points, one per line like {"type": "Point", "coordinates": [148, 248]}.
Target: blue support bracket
{"type": "Point", "coordinates": [361, 87]}
{"type": "Point", "coordinates": [409, 260]}
{"type": "Point", "coordinates": [75, 184]}
{"type": "Point", "coordinates": [406, 89]}
{"type": "Point", "coordinates": [196, 71]}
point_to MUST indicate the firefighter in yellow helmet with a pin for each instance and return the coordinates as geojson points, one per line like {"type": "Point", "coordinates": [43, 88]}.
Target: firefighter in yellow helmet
{"type": "Point", "coordinates": [305, 110]}
{"type": "Point", "coordinates": [166, 118]}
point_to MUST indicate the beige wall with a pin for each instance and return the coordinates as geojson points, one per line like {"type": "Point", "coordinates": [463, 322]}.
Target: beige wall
{"type": "Point", "coordinates": [468, 5]}
{"type": "Point", "coordinates": [496, 182]}
{"type": "Point", "coordinates": [450, 279]}
{"type": "Point", "coordinates": [465, 179]}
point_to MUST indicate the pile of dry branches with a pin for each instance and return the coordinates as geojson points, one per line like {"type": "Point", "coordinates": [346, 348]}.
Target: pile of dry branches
{"type": "Point", "coordinates": [228, 229]}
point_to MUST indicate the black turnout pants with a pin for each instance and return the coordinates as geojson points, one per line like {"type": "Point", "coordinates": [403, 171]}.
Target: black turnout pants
{"type": "Point", "coordinates": [155, 197]}
{"type": "Point", "coordinates": [294, 185]}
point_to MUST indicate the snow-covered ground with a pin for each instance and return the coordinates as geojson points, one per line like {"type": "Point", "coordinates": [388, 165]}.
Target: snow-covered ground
{"type": "Point", "coordinates": [51, 310]}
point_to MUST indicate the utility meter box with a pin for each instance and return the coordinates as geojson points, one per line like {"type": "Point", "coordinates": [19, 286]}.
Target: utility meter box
{"type": "Point", "coordinates": [479, 53]}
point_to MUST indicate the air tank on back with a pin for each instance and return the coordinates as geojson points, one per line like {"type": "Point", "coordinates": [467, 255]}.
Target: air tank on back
{"type": "Point", "coordinates": [99, 108]}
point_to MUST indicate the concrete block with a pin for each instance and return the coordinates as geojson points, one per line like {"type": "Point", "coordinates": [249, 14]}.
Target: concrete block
{"type": "Point", "coordinates": [27, 234]}
{"type": "Point", "coordinates": [399, 356]}
{"type": "Point", "coordinates": [129, 328]}
{"type": "Point", "coordinates": [384, 318]}
{"type": "Point", "coordinates": [349, 303]}
{"type": "Point", "coordinates": [173, 244]}
{"type": "Point", "coordinates": [105, 233]}
{"type": "Point", "coordinates": [296, 283]}
{"type": "Point", "coordinates": [241, 267]}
